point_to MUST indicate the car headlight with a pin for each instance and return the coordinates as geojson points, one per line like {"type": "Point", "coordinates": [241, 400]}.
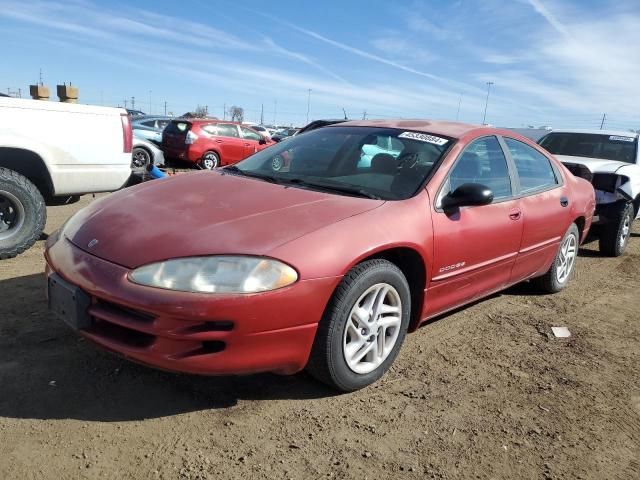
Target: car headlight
{"type": "Point", "coordinates": [216, 274]}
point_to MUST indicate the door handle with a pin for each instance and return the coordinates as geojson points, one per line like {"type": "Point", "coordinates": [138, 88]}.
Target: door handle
{"type": "Point", "coordinates": [218, 141]}
{"type": "Point", "coordinates": [247, 144]}
{"type": "Point", "coordinates": [564, 201]}
{"type": "Point", "coordinates": [515, 214]}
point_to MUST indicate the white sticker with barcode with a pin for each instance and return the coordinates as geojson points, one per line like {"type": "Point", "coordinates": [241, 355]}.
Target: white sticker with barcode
{"type": "Point", "coordinates": [423, 137]}
{"type": "Point", "coordinates": [621, 139]}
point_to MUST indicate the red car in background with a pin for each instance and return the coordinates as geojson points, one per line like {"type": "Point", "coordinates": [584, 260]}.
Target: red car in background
{"type": "Point", "coordinates": [210, 143]}
{"type": "Point", "coordinates": [325, 264]}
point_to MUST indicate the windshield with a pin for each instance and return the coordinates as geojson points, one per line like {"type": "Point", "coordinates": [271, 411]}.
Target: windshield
{"type": "Point", "coordinates": [609, 147]}
{"type": "Point", "coordinates": [383, 163]}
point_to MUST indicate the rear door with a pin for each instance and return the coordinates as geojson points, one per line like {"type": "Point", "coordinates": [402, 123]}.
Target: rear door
{"type": "Point", "coordinates": [229, 143]}
{"type": "Point", "coordinates": [475, 247]}
{"type": "Point", "coordinates": [251, 141]}
{"type": "Point", "coordinates": [545, 208]}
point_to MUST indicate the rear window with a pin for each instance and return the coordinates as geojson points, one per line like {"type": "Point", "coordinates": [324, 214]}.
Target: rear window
{"type": "Point", "coordinates": [610, 147]}
{"type": "Point", "coordinates": [178, 127]}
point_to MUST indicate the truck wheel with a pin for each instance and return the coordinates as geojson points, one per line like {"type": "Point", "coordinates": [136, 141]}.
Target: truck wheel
{"type": "Point", "coordinates": [615, 234]}
{"type": "Point", "coordinates": [23, 214]}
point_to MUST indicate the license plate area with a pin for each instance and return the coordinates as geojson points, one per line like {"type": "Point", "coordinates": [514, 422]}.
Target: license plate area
{"type": "Point", "coordinates": [69, 303]}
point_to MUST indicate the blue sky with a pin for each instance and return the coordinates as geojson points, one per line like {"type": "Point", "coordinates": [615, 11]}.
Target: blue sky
{"type": "Point", "coordinates": [553, 62]}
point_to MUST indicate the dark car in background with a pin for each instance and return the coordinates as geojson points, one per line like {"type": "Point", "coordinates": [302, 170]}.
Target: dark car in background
{"type": "Point", "coordinates": [210, 143]}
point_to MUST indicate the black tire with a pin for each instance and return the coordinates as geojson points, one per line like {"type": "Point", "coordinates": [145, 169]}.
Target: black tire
{"type": "Point", "coordinates": [327, 361]}
{"type": "Point", "coordinates": [549, 282]}
{"type": "Point", "coordinates": [140, 158]}
{"type": "Point", "coordinates": [615, 234]}
{"type": "Point", "coordinates": [23, 214]}
{"type": "Point", "coordinates": [209, 160]}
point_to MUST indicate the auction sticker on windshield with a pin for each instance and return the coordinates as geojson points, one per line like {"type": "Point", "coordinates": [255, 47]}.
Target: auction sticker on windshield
{"type": "Point", "coordinates": [423, 137]}
{"type": "Point", "coordinates": [621, 139]}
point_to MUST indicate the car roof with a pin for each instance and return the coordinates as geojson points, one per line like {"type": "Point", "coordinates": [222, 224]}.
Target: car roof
{"type": "Point", "coordinates": [143, 118]}
{"type": "Point", "coordinates": [595, 131]}
{"type": "Point", "coordinates": [201, 121]}
{"type": "Point", "coordinates": [435, 127]}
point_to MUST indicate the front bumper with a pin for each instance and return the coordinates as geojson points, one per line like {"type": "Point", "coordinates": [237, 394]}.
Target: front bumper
{"type": "Point", "coordinates": [194, 333]}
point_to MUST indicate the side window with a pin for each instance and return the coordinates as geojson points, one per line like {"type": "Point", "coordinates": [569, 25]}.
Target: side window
{"type": "Point", "coordinates": [534, 169]}
{"type": "Point", "coordinates": [483, 162]}
{"type": "Point", "coordinates": [161, 124]}
{"type": "Point", "coordinates": [149, 123]}
{"type": "Point", "coordinates": [227, 130]}
{"type": "Point", "coordinates": [211, 129]}
{"type": "Point", "coordinates": [380, 154]}
{"type": "Point", "coordinates": [250, 134]}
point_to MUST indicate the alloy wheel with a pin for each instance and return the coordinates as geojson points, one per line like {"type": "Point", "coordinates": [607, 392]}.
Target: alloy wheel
{"type": "Point", "coordinates": [566, 258]}
{"type": "Point", "coordinates": [625, 231]}
{"type": "Point", "coordinates": [372, 328]}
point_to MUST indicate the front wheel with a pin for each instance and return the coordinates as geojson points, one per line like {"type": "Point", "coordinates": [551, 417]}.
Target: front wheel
{"type": "Point", "coordinates": [563, 265]}
{"type": "Point", "coordinates": [615, 234]}
{"type": "Point", "coordinates": [363, 327]}
{"type": "Point", "coordinates": [210, 160]}
{"type": "Point", "coordinates": [140, 158]}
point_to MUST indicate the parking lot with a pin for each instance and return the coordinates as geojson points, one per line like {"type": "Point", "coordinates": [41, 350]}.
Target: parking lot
{"type": "Point", "coordinates": [484, 392]}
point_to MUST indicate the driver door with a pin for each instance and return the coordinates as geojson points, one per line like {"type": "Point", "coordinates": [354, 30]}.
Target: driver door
{"type": "Point", "coordinates": [475, 247]}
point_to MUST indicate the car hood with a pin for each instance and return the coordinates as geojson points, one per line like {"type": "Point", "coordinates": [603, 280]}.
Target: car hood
{"type": "Point", "coordinates": [204, 213]}
{"type": "Point", "coordinates": [595, 165]}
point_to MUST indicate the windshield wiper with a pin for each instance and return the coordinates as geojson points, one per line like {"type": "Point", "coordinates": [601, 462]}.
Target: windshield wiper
{"type": "Point", "coordinates": [235, 170]}
{"type": "Point", "coordinates": [333, 188]}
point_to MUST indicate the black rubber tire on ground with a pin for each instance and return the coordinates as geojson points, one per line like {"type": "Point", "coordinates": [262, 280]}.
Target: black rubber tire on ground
{"type": "Point", "coordinates": [20, 189]}
{"type": "Point", "coordinates": [209, 160]}
{"type": "Point", "coordinates": [327, 362]}
{"type": "Point", "coordinates": [140, 158]}
{"type": "Point", "coordinates": [548, 283]}
{"type": "Point", "coordinates": [611, 241]}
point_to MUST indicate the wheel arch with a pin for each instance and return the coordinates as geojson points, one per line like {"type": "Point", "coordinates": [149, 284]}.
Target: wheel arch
{"type": "Point", "coordinates": [30, 165]}
{"type": "Point", "coordinates": [414, 268]}
{"type": "Point", "coordinates": [580, 223]}
{"type": "Point", "coordinates": [214, 150]}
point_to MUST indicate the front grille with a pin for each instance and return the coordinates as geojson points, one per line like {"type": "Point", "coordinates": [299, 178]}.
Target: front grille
{"type": "Point", "coordinates": [123, 335]}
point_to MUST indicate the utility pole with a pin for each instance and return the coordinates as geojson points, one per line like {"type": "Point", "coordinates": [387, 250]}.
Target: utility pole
{"type": "Point", "coordinates": [224, 112]}
{"type": "Point", "coordinates": [345, 113]}
{"type": "Point", "coordinates": [604, 117]}
{"type": "Point", "coordinates": [125, 103]}
{"type": "Point", "coordinates": [40, 81]}
{"type": "Point", "coordinates": [275, 109]}
{"type": "Point", "coordinates": [364, 115]}
{"type": "Point", "coordinates": [262, 114]}
{"type": "Point", "coordinates": [308, 104]}
{"type": "Point", "coordinates": [165, 108]}
{"type": "Point", "coordinates": [149, 102]}
{"type": "Point", "coordinates": [486, 103]}
{"type": "Point", "coordinates": [133, 103]}
{"type": "Point", "coordinates": [458, 112]}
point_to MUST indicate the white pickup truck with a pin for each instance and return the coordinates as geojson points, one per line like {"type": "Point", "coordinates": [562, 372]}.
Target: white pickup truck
{"type": "Point", "coordinates": [610, 160]}
{"type": "Point", "coordinates": [50, 153]}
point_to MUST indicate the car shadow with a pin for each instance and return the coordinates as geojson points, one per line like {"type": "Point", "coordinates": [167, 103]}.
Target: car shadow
{"type": "Point", "coordinates": [48, 372]}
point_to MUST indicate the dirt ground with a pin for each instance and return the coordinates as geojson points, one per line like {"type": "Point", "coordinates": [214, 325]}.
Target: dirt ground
{"type": "Point", "coordinates": [485, 392]}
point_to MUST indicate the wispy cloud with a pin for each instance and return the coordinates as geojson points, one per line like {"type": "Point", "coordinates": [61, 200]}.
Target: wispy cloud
{"type": "Point", "coordinates": [540, 8]}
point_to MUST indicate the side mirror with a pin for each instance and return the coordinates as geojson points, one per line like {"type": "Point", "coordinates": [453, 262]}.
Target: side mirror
{"type": "Point", "coordinates": [467, 195]}
{"type": "Point", "coordinates": [262, 141]}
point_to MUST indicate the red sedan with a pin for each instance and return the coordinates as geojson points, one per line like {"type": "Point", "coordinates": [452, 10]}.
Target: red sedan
{"type": "Point", "coordinates": [210, 143]}
{"type": "Point", "coordinates": [325, 264]}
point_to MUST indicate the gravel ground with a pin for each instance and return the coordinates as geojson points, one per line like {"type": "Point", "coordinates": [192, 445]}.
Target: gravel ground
{"type": "Point", "coordinates": [484, 392]}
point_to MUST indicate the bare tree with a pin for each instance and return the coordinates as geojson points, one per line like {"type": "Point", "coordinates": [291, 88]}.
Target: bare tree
{"type": "Point", "coordinates": [201, 111]}
{"type": "Point", "coordinates": [237, 113]}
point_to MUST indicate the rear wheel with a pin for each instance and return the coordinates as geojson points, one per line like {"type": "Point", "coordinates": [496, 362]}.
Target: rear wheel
{"type": "Point", "coordinates": [363, 328]}
{"type": "Point", "coordinates": [563, 265]}
{"type": "Point", "coordinates": [22, 213]}
{"type": "Point", "coordinates": [614, 236]}
{"type": "Point", "coordinates": [210, 160]}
